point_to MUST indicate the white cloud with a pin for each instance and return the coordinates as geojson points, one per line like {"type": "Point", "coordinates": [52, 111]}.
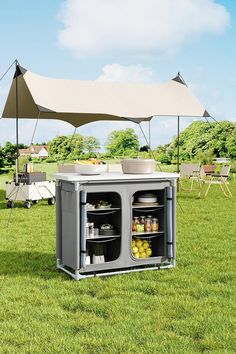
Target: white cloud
{"type": "Point", "coordinates": [137, 27]}
{"type": "Point", "coordinates": [129, 73]}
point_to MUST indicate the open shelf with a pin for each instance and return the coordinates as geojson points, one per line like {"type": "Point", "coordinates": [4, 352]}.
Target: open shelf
{"type": "Point", "coordinates": [98, 238]}
{"type": "Point", "coordinates": [153, 207]}
{"type": "Point", "coordinates": [147, 234]}
{"type": "Point", "coordinates": [101, 209]}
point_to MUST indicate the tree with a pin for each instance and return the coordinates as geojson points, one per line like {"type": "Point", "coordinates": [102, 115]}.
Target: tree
{"type": "Point", "coordinates": [91, 144]}
{"type": "Point", "coordinates": [231, 145]}
{"type": "Point", "coordinates": [122, 142]}
{"type": "Point", "coordinates": [205, 139]}
{"type": "Point", "coordinates": [9, 152]}
{"type": "Point", "coordinates": [66, 147]}
{"type": "Point", "coordinates": [56, 148]}
{"type": "Point", "coordinates": [1, 157]}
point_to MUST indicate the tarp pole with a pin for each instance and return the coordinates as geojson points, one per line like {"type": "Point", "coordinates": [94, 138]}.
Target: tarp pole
{"type": "Point", "coordinates": [149, 132]}
{"type": "Point", "coordinates": [178, 148]}
{"type": "Point", "coordinates": [178, 154]}
{"type": "Point", "coordinates": [17, 124]}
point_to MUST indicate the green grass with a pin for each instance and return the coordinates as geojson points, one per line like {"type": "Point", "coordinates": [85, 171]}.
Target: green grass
{"type": "Point", "coordinates": [188, 309]}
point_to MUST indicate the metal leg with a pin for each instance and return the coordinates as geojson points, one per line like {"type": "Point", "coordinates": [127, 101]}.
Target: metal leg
{"type": "Point", "coordinates": [191, 188]}
{"type": "Point", "coordinates": [207, 190]}
{"type": "Point", "coordinates": [221, 183]}
{"type": "Point", "coordinates": [227, 192]}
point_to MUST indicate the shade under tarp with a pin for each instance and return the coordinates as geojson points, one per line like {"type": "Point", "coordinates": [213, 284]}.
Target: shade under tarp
{"type": "Point", "coordinates": [79, 102]}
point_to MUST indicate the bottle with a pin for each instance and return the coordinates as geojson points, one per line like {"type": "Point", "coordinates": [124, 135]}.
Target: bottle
{"type": "Point", "coordinates": [91, 230]}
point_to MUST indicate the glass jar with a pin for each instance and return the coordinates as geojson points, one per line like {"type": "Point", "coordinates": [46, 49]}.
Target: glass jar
{"type": "Point", "coordinates": [134, 223]}
{"type": "Point", "coordinates": [155, 225]}
{"type": "Point", "coordinates": [148, 224]}
{"type": "Point", "coordinates": [140, 227]}
{"type": "Point", "coordinates": [142, 219]}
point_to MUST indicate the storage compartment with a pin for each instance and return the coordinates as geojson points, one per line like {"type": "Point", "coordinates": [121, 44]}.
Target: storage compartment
{"type": "Point", "coordinates": [103, 226]}
{"type": "Point", "coordinates": [148, 224]}
{"type": "Point", "coordinates": [108, 249]}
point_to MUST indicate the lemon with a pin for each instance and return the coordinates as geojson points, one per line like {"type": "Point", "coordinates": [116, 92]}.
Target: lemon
{"type": "Point", "coordinates": [142, 255]}
{"type": "Point", "coordinates": [141, 249]}
{"type": "Point", "coordinates": [136, 255]}
{"type": "Point", "coordinates": [135, 249]}
{"type": "Point", "coordinates": [145, 245]}
{"type": "Point", "coordinates": [148, 252]}
{"type": "Point", "coordinates": [133, 243]}
{"type": "Point", "coordinates": [139, 243]}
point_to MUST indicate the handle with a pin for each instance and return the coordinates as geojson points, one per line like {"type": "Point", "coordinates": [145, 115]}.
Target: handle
{"type": "Point", "coordinates": [169, 207]}
{"type": "Point", "coordinates": [83, 217]}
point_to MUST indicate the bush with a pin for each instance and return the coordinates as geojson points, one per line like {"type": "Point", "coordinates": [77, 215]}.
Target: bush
{"type": "Point", "coordinates": [50, 160]}
{"type": "Point", "coordinates": [205, 158]}
{"type": "Point", "coordinates": [164, 159]}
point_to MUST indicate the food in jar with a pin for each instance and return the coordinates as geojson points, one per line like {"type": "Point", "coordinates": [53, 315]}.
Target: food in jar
{"type": "Point", "coordinates": [134, 223]}
{"type": "Point", "coordinates": [148, 225]}
{"type": "Point", "coordinates": [142, 219]}
{"type": "Point", "coordinates": [140, 227]}
{"type": "Point", "coordinates": [154, 225]}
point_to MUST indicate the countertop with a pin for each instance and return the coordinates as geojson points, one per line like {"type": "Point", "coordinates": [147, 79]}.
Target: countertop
{"type": "Point", "coordinates": [114, 176]}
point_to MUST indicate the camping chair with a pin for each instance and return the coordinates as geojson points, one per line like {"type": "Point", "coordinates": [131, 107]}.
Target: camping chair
{"type": "Point", "coordinates": [189, 171]}
{"type": "Point", "coordinates": [209, 169]}
{"type": "Point", "coordinates": [217, 178]}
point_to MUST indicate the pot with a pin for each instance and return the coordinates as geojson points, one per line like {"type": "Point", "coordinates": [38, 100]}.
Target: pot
{"type": "Point", "coordinates": [138, 166]}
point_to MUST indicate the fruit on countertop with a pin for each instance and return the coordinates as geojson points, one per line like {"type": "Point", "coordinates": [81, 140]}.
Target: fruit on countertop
{"type": "Point", "coordinates": [91, 161]}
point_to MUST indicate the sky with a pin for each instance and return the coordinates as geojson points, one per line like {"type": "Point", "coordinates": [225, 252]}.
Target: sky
{"type": "Point", "coordinates": [124, 41]}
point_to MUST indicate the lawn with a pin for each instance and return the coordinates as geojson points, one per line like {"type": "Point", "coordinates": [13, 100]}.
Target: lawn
{"type": "Point", "coordinates": [188, 309]}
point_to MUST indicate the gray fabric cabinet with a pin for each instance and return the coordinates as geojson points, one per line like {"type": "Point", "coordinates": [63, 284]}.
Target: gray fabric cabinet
{"type": "Point", "coordinates": [78, 253]}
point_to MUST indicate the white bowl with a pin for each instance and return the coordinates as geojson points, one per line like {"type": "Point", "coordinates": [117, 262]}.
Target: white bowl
{"type": "Point", "coordinates": [147, 199]}
{"type": "Point", "coordinates": [138, 166]}
{"type": "Point", "coordinates": [88, 169]}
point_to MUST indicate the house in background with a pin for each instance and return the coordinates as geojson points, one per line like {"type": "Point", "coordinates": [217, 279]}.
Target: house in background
{"type": "Point", "coordinates": [35, 151]}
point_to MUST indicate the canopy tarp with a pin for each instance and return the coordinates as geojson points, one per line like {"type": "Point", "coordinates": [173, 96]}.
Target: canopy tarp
{"type": "Point", "coordinates": [80, 102]}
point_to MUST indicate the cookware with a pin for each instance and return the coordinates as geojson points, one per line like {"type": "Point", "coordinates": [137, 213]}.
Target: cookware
{"type": "Point", "coordinates": [138, 166]}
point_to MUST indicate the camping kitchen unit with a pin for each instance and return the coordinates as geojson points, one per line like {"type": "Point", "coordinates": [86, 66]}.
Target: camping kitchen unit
{"type": "Point", "coordinates": [96, 218]}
